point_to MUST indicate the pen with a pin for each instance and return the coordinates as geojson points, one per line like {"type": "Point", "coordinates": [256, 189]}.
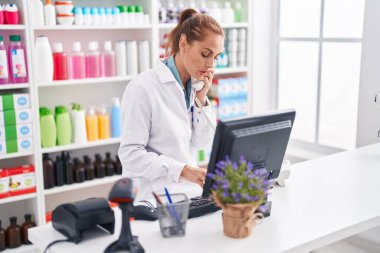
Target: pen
{"type": "Point", "coordinates": [168, 196]}
{"type": "Point", "coordinates": [158, 199]}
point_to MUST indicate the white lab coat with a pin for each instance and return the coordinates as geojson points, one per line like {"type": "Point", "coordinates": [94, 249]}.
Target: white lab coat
{"type": "Point", "coordinates": [159, 134]}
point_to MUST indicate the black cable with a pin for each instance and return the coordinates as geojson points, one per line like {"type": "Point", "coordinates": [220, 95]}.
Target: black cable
{"type": "Point", "coordinates": [57, 241]}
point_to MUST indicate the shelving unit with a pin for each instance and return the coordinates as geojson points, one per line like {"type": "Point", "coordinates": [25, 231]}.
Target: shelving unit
{"type": "Point", "coordinates": [86, 92]}
{"type": "Point", "coordinates": [14, 86]}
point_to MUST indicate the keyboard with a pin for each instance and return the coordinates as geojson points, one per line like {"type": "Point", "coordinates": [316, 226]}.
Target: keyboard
{"type": "Point", "coordinates": [200, 206]}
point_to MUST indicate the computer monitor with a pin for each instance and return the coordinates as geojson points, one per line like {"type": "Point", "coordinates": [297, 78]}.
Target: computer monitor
{"type": "Point", "coordinates": [262, 140]}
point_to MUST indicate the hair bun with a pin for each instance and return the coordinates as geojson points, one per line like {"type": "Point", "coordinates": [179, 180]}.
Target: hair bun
{"type": "Point", "coordinates": [186, 14]}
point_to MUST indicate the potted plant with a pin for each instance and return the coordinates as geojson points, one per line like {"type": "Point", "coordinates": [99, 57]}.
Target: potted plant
{"type": "Point", "coordinates": [239, 189]}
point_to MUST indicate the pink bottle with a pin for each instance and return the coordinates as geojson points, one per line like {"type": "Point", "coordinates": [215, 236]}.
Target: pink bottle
{"type": "Point", "coordinates": [77, 62]}
{"type": "Point", "coordinates": [61, 67]}
{"type": "Point", "coordinates": [11, 14]}
{"type": "Point", "coordinates": [93, 60]}
{"type": "Point", "coordinates": [108, 60]}
{"type": "Point", "coordinates": [2, 17]}
{"type": "Point", "coordinates": [17, 60]}
{"type": "Point", "coordinates": [4, 70]}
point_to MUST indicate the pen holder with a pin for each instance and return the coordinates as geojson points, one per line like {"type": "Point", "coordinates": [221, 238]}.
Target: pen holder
{"type": "Point", "coordinates": [173, 217]}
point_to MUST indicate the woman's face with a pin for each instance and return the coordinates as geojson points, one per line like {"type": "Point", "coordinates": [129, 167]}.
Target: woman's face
{"type": "Point", "coordinates": [200, 57]}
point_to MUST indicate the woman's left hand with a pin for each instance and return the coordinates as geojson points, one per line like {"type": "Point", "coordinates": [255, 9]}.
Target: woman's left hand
{"type": "Point", "coordinates": [207, 79]}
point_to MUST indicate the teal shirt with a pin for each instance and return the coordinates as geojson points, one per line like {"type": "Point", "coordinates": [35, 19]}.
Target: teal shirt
{"type": "Point", "coordinates": [171, 65]}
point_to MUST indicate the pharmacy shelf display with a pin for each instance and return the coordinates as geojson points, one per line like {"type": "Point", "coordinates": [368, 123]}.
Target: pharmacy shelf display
{"type": "Point", "coordinates": [92, 91]}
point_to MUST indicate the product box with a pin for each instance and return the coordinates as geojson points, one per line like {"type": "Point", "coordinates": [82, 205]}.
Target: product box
{"type": "Point", "coordinates": [15, 117]}
{"type": "Point", "coordinates": [4, 184]}
{"type": "Point", "coordinates": [14, 101]}
{"type": "Point", "coordinates": [21, 145]}
{"type": "Point", "coordinates": [22, 180]}
{"type": "Point", "coordinates": [16, 131]}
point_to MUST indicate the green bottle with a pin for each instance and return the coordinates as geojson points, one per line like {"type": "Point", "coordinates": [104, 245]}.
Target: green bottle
{"type": "Point", "coordinates": [48, 128]}
{"type": "Point", "coordinates": [63, 122]}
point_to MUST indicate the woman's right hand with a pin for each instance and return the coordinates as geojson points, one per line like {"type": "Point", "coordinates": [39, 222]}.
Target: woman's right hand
{"type": "Point", "coordinates": [194, 174]}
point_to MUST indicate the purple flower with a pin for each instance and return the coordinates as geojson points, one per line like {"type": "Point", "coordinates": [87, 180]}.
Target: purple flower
{"type": "Point", "coordinates": [226, 185]}
{"type": "Point", "coordinates": [225, 194]}
{"type": "Point", "coordinates": [240, 185]}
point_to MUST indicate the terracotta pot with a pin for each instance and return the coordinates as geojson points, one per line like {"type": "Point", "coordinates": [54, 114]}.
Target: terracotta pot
{"type": "Point", "coordinates": [239, 219]}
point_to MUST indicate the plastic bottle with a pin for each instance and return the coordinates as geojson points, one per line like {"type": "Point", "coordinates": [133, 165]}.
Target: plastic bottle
{"type": "Point", "coordinates": [11, 14]}
{"type": "Point", "coordinates": [215, 11]}
{"type": "Point", "coordinates": [4, 69]}
{"type": "Point", "coordinates": [80, 172]}
{"type": "Point", "coordinates": [104, 123]}
{"type": "Point", "coordinates": [102, 16]}
{"type": "Point", "coordinates": [109, 16]}
{"type": "Point", "coordinates": [238, 12]}
{"type": "Point", "coordinates": [203, 8]}
{"type": "Point", "coordinates": [17, 60]}
{"type": "Point", "coordinates": [13, 234]}
{"type": "Point", "coordinates": [132, 60]}
{"type": "Point", "coordinates": [93, 60]}
{"type": "Point", "coordinates": [87, 16]}
{"type": "Point", "coordinates": [59, 171]}
{"type": "Point", "coordinates": [77, 62]}
{"type": "Point", "coordinates": [100, 168]}
{"type": "Point", "coordinates": [48, 128]}
{"type": "Point", "coordinates": [139, 15]}
{"type": "Point", "coordinates": [162, 14]}
{"type": "Point", "coordinates": [2, 10]}
{"type": "Point", "coordinates": [49, 11]}
{"type": "Point", "coordinates": [24, 228]}
{"type": "Point", "coordinates": [110, 165]}
{"type": "Point", "coordinates": [92, 125]}
{"type": "Point", "coordinates": [44, 60]}
{"type": "Point", "coordinates": [60, 63]}
{"type": "Point", "coordinates": [118, 166]}
{"type": "Point", "coordinates": [36, 13]}
{"type": "Point", "coordinates": [228, 13]}
{"type": "Point", "coordinates": [49, 172]}
{"type": "Point", "coordinates": [108, 60]}
{"type": "Point", "coordinates": [78, 16]}
{"type": "Point", "coordinates": [131, 15]}
{"type": "Point", "coordinates": [2, 238]}
{"type": "Point", "coordinates": [95, 19]}
{"type": "Point", "coordinates": [63, 122]}
{"type": "Point", "coordinates": [78, 120]}
{"type": "Point", "coordinates": [89, 167]}
{"type": "Point", "coordinates": [68, 167]}
{"type": "Point", "coordinates": [121, 58]}
{"type": "Point", "coordinates": [116, 17]}
{"type": "Point", "coordinates": [116, 117]}
{"type": "Point", "coordinates": [144, 55]}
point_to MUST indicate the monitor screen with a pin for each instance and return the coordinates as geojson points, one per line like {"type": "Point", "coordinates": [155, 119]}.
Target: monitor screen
{"type": "Point", "coordinates": [262, 140]}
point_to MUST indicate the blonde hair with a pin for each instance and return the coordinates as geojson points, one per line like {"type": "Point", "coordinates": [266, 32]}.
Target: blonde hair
{"type": "Point", "coordinates": [195, 26]}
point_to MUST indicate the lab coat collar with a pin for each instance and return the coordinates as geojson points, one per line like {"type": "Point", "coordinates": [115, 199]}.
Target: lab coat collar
{"type": "Point", "coordinates": [164, 73]}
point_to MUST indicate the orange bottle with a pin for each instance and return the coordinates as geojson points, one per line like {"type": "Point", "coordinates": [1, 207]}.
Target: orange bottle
{"type": "Point", "coordinates": [104, 123]}
{"type": "Point", "coordinates": [92, 125]}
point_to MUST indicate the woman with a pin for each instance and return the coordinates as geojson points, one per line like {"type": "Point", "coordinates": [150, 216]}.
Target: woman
{"type": "Point", "coordinates": [162, 126]}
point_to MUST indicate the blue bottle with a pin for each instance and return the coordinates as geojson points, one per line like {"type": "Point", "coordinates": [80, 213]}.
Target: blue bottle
{"type": "Point", "coordinates": [116, 117]}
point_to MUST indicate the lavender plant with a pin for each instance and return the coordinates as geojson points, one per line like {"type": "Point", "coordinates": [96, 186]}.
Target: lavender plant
{"type": "Point", "coordinates": [240, 182]}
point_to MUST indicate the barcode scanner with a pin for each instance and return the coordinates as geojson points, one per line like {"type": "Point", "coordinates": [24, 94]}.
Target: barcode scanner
{"type": "Point", "coordinates": [122, 193]}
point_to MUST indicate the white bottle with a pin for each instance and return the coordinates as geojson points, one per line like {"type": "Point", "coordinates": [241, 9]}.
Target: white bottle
{"type": "Point", "coordinates": [228, 13]}
{"type": "Point", "coordinates": [116, 16]}
{"type": "Point", "coordinates": [215, 11]}
{"type": "Point", "coordinates": [121, 58]}
{"type": "Point", "coordinates": [36, 12]}
{"type": "Point", "coordinates": [86, 16]}
{"type": "Point", "coordinates": [78, 18]}
{"type": "Point", "coordinates": [102, 16]}
{"type": "Point", "coordinates": [49, 13]}
{"type": "Point", "coordinates": [109, 16]}
{"type": "Point", "coordinates": [44, 60]}
{"type": "Point", "coordinates": [95, 19]}
{"type": "Point", "coordinates": [144, 55]}
{"type": "Point", "coordinates": [132, 62]}
{"type": "Point", "coordinates": [78, 121]}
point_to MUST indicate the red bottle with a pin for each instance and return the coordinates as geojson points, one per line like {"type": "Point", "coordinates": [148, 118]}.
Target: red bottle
{"type": "Point", "coordinates": [61, 69]}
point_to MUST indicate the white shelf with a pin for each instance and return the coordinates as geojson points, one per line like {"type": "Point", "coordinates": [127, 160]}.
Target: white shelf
{"type": "Point", "coordinates": [18, 198]}
{"type": "Point", "coordinates": [81, 146]}
{"type": "Point", "coordinates": [224, 25]}
{"type": "Point", "coordinates": [222, 71]}
{"type": "Point", "coordinates": [86, 81]}
{"type": "Point", "coordinates": [99, 27]}
{"type": "Point", "coordinates": [12, 27]}
{"type": "Point", "coordinates": [22, 249]}
{"type": "Point", "coordinates": [14, 85]}
{"type": "Point", "coordinates": [86, 184]}
{"type": "Point", "coordinates": [15, 155]}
